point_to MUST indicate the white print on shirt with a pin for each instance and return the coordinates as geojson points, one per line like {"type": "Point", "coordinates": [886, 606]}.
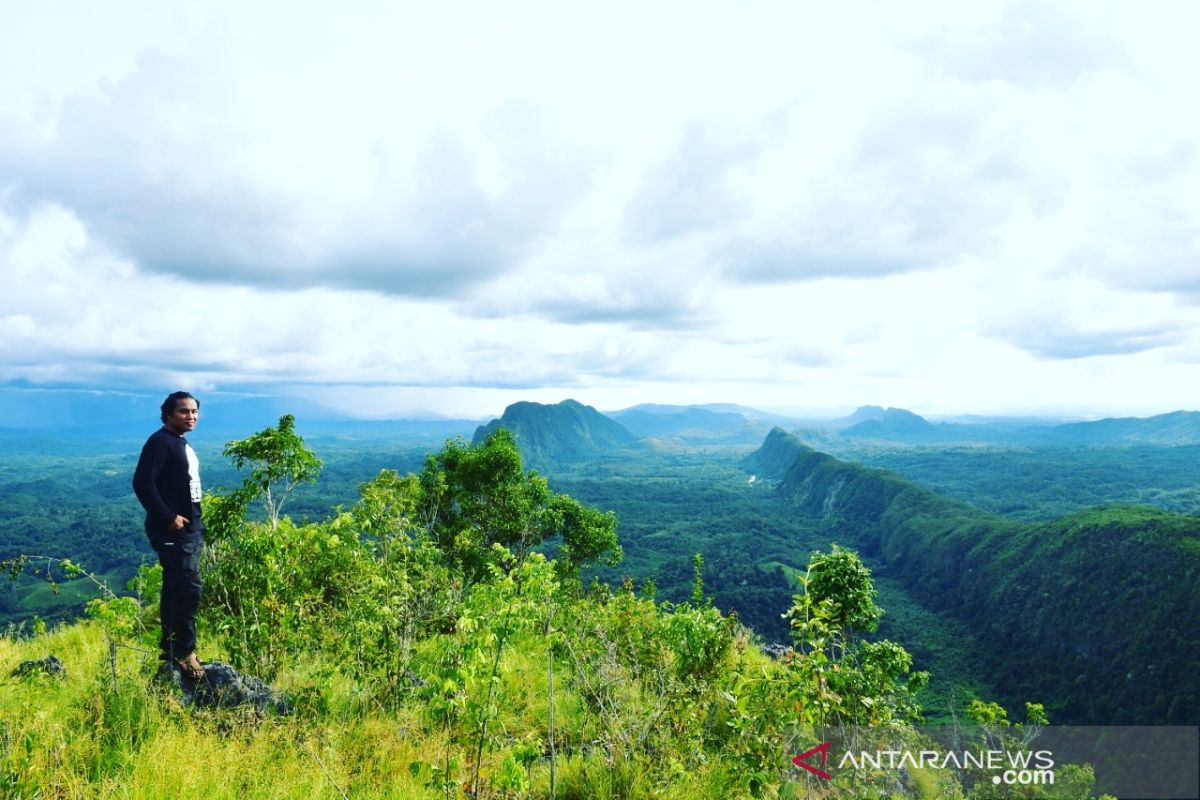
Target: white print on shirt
{"type": "Point", "coordinates": [193, 473]}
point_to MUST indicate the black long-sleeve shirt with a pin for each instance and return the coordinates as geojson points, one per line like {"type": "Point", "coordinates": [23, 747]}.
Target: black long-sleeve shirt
{"type": "Point", "coordinates": [166, 485]}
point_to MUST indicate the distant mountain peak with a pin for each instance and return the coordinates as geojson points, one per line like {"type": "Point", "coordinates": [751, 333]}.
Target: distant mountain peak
{"type": "Point", "coordinates": [894, 422]}
{"type": "Point", "coordinates": [901, 415]}
{"type": "Point", "coordinates": [864, 413]}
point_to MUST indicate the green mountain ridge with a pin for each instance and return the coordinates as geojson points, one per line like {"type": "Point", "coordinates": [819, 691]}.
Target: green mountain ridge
{"type": "Point", "coordinates": [1093, 612]}
{"type": "Point", "coordinates": [1178, 427]}
{"type": "Point", "coordinates": [897, 425]}
{"type": "Point", "coordinates": [692, 424]}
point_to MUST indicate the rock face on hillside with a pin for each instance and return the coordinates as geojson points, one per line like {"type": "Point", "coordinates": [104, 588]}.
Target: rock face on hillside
{"type": "Point", "coordinates": [224, 687]}
{"type": "Point", "coordinates": [562, 433]}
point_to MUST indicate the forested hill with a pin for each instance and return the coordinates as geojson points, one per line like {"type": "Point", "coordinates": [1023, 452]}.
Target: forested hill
{"type": "Point", "coordinates": [1093, 614]}
{"type": "Point", "coordinates": [562, 433]}
{"type": "Point", "coordinates": [778, 452]}
{"type": "Point", "coordinates": [893, 423]}
{"type": "Point", "coordinates": [1176, 428]}
{"type": "Point", "coordinates": [732, 425]}
{"type": "Point", "coordinates": [898, 426]}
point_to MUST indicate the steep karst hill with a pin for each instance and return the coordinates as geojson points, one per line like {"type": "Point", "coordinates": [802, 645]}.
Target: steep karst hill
{"type": "Point", "coordinates": [560, 433]}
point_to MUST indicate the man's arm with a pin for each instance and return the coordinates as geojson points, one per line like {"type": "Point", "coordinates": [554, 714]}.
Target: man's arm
{"type": "Point", "coordinates": [145, 486]}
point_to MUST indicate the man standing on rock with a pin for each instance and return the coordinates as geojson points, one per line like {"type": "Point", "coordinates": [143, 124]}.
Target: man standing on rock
{"type": "Point", "coordinates": [167, 483]}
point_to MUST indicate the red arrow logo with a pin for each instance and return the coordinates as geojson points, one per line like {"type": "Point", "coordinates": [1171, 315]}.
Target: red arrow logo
{"type": "Point", "coordinates": [801, 760]}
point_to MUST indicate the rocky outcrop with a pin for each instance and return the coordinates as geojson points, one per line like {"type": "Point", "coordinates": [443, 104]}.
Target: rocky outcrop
{"type": "Point", "coordinates": [224, 687]}
{"type": "Point", "coordinates": [50, 665]}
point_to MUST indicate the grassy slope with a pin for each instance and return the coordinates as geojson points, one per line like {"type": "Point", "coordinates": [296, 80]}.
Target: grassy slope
{"type": "Point", "coordinates": [76, 738]}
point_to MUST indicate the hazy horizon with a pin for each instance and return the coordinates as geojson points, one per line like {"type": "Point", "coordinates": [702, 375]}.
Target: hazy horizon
{"type": "Point", "coordinates": [305, 405]}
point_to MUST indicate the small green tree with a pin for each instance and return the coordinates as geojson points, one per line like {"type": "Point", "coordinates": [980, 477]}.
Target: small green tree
{"type": "Point", "coordinates": [474, 497]}
{"type": "Point", "coordinates": [841, 578]}
{"type": "Point", "coordinates": [995, 731]}
{"type": "Point", "coordinates": [279, 461]}
{"type": "Point", "coordinates": [839, 678]}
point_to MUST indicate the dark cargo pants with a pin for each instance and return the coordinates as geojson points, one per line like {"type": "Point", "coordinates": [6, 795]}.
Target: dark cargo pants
{"type": "Point", "coordinates": [179, 555]}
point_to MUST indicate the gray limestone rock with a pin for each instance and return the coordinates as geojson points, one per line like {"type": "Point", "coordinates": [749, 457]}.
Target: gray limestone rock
{"type": "Point", "coordinates": [50, 665]}
{"type": "Point", "coordinates": [224, 687]}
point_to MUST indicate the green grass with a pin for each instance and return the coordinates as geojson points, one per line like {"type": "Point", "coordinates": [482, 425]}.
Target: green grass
{"type": "Point", "coordinates": [40, 597]}
{"type": "Point", "coordinates": [793, 575]}
{"type": "Point", "coordinates": [77, 738]}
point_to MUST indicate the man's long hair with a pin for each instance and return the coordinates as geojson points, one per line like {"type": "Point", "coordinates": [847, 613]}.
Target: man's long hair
{"type": "Point", "coordinates": [168, 406]}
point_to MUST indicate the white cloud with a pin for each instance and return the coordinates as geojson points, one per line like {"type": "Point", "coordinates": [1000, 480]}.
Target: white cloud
{"type": "Point", "coordinates": [72, 312]}
{"type": "Point", "coordinates": [860, 202]}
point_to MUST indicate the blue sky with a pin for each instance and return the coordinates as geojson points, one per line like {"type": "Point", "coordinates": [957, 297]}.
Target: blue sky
{"type": "Point", "coordinates": [985, 207]}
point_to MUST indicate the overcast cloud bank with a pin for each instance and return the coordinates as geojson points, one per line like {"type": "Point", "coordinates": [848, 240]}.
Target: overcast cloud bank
{"type": "Point", "coordinates": [986, 208]}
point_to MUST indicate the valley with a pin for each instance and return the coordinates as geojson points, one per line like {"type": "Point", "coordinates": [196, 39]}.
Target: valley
{"type": "Point", "coordinates": [751, 510]}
